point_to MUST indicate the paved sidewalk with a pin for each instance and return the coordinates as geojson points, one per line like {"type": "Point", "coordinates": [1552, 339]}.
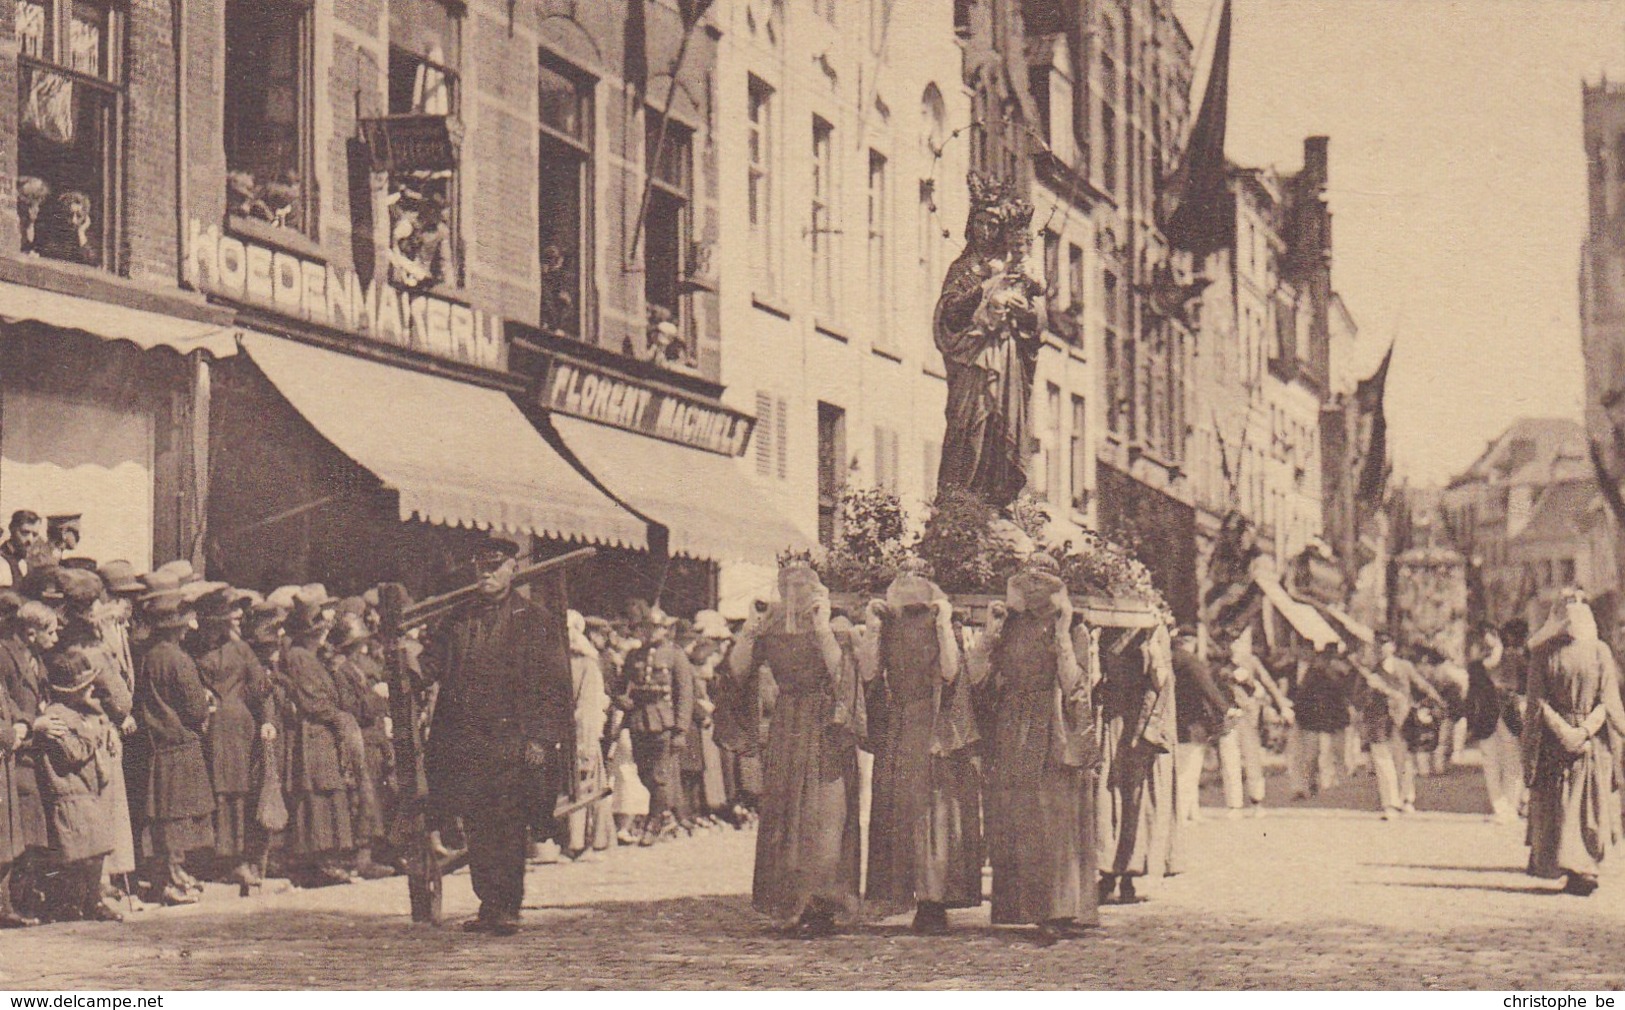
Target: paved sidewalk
{"type": "Point", "coordinates": [1303, 898]}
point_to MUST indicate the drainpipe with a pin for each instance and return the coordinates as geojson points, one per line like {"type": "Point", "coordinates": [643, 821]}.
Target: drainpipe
{"type": "Point", "coordinates": [177, 10]}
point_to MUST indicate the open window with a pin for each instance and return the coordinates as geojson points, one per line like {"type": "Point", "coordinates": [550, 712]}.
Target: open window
{"type": "Point", "coordinates": [667, 241]}
{"type": "Point", "coordinates": [269, 174]}
{"type": "Point", "coordinates": [566, 166]}
{"type": "Point", "coordinates": [70, 90]}
{"type": "Point", "coordinates": [422, 193]}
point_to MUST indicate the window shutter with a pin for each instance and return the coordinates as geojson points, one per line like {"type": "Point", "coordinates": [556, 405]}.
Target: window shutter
{"type": "Point", "coordinates": [781, 431]}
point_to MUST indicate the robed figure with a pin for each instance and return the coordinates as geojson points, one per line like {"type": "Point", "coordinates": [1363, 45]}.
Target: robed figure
{"type": "Point", "coordinates": [925, 826]}
{"type": "Point", "coordinates": [1573, 732]}
{"type": "Point", "coordinates": [988, 330]}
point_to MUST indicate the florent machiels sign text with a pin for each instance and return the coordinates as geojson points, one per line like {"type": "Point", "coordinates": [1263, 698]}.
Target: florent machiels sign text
{"type": "Point", "coordinates": [585, 392]}
{"type": "Point", "coordinates": [302, 289]}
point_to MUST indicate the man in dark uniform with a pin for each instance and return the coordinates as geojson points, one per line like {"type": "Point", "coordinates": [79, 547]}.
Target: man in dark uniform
{"type": "Point", "coordinates": [659, 701]}
{"type": "Point", "coordinates": [504, 709]}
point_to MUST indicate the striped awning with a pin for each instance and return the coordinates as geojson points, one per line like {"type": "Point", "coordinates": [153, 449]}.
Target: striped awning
{"type": "Point", "coordinates": [21, 303]}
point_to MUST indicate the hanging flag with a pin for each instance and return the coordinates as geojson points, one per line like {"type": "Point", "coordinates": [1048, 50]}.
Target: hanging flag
{"type": "Point", "coordinates": [1369, 399]}
{"type": "Point", "coordinates": [1196, 206]}
{"type": "Point", "coordinates": [691, 11]}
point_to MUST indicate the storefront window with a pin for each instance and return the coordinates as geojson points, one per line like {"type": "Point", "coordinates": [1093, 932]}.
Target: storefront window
{"type": "Point", "coordinates": [67, 144]}
{"type": "Point", "coordinates": [268, 173]}
{"type": "Point", "coordinates": [565, 108]}
{"type": "Point", "coordinates": [424, 53]}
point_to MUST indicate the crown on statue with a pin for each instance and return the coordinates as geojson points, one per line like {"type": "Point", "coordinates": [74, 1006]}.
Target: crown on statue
{"type": "Point", "coordinates": [1000, 198]}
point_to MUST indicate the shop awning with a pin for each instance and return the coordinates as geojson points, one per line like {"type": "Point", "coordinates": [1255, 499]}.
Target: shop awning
{"type": "Point", "coordinates": [1303, 618]}
{"type": "Point", "coordinates": [1358, 629]}
{"type": "Point", "coordinates": [21, 303]}
{"type": "Point", "coordinates": [709, 508]}
{"type": "Point", "coordinates": [457, 454]}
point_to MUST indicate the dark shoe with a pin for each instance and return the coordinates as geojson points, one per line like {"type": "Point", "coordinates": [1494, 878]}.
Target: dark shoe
{"type": "Point", "coordinates": [102, 912]}
{"type": "Point", "coordinates": [815, 925]}
{"type": "Point", "coordinates": [1052, 930]}
{"type": "Point", "coordinates": [504, 927]}
{"type": "Point", "coordinates": [477, 925]}
{"type": "Point", "coordinates": [1580, 885]}
{"type": "Point", "coordinates": [11, 920]}
{"type": "Point", "coordinates": [1103, 890]}
{"type": "Point", "coordinates": [1126, 894]}
{"type": "Point", "coordinates": [930, 920]}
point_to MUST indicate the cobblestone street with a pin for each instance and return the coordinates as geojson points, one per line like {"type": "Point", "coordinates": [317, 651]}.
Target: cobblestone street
{"type": "Point", "coordinates": [1327, 898]}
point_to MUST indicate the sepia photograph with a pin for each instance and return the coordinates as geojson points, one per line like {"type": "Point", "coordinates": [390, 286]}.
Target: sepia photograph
{"type": "Point", "coordinates": [721, 495]}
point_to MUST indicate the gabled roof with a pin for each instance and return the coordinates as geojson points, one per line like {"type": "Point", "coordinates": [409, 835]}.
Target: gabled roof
{"type": "Point", "coordinates": [1532, 450]}
{"type": "Point", "coordinates": [1561, 513]}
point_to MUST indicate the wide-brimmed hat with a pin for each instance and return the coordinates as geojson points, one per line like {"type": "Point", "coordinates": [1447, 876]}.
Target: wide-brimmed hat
{"type": "Point", "coordinates": [350, 630]}
{"type": "Point", "coordinates": [192, 592]}
{"type": "Point", "coordinates": [282, 597]}
{"type": "Point", "coordinates": [120, 577]}
{"type": "Point", "coordinates": [167, 612]}
{"type": "Point", "coordinates": [181, 570]}
{"type": "Point", "coordinates": [70, 671]}
{"type": "Point", "coordinates": [160, 584]}
{"type": "Point", "coordinates": [215, 605]}
{"type": "Point", "coordinates": [79, 587]}
{"type": "Point", "coordinates": [244, 599]}
{"type": "Point", "coordinates": [265, 622]}
{"type": "Point", "coordinates": [79, 564]}
{"type": "Point", "coordinates": [308, 615]}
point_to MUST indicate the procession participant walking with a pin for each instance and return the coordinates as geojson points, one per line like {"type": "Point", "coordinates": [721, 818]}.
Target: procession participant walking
{"type": "Point", "coordinates": [240, 686]}
{"type": "Point", "coordinates": [364, 693]}
{"type": "Point", "coordinates": [1241, 748]}
{"type": "Point", "coordinates": [925, 838]}
{"type": "Point", "coordinates": [1395, 683]}
{"type": "Point", "coordinates": [1040, 784]}
{"type": "Point", "coordinates": [32, 635]}
{"type": "Point", "coordinates": [659, 701]}
{"type": "Point", "coordinates": [1573, 737]}
{"type": "Point", "coordinates": [1135, 817]}
{"type": "Point", "coordinates": [16, 731]}
{"type": "Point", "coordinates": [1320, 706]}
{"type": "Point", "coordinates": [320, 825]}
{"type": "Point", "coordinates": [808, 845]}
{"type": "Point", "coordinates": [76, 761]}
{"type": "Point", "coordinates": [1494, 724]}
{"type": "Point", "coordinates": [503, 712]}
{"type": "Point", "coordinates": [172, 707]}
{"type": "Point", "coordinates": [590, 830]}
{"type": "Point", "coordinates": [1200, 710]}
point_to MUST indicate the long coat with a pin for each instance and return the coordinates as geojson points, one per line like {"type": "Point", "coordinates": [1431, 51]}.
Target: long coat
{"type": "Point", "coordinates": [1574, 812]}
{"type": "Point", "coordinates": [172, 706]}
{"type": "Point", "coordinates": [76, 775]}
{"type": "Point", "coordinates": [233, 674]}
{"type": "Point", "coordinates": [23, 677]}
{"type": "Point", "coordinates": [1040, 791]}
{"type": "Point", "coordinates": [504, 670]}
{"type": "Point", "coordinates": [11, 825]}
{"type": "Point", "coordinates": [925, 825]}
{"type": "Point", "coordinates": [1135, 822]}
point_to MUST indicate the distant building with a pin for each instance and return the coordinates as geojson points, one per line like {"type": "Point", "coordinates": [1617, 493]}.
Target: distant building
{"type": "Point", "coordinates": [1524, 515]}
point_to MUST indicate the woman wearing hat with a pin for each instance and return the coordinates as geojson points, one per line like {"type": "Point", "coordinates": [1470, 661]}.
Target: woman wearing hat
{"type": "Point", "coordinates": [240, 687]}
{"type": "Point", "coordinates": [808, 845]}
{"type": "Point", "coordinates": [592, 828]}
{"type": "Point", "coordinates": [77, 756]}
{"type": "Point", "coordinates": [172, 706]}
{"type": "Point", "coordinates": [16, 732]}
{"type": "Point", "coordinates": [320, 832]}
{"type": "Point", "coordinates": [1040, 804]}
{"type": "Point", "coordinates": [363, 691]}
{"type": "Point", "coordinates": [925, 825]}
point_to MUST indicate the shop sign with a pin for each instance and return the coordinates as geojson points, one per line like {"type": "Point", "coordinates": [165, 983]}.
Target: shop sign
{"type": "Point", "coordinates": [412, 143]}
{"type": "Point", "coordinates": [301, 289]}
{"type": "Point", "coordinates": [582, 391]}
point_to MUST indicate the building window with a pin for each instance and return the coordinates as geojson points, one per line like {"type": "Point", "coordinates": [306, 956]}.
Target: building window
{"type": "Point", "coordinates": [764, 240]}
{"type": "Point", "coordinates": [669, 229]}
{"type": "Point", "coordinates": [887, 463]}
{"type": "Point", "coordinates": [1080, 453]}
{"type": "Point", "coordinates": [1566, 572]}
{"type": "Point", "coordinates": [1115, 399]}
{"type": "Point", "coordinates": [1052, 451]}
{"type": "Point", "coordinates": [269, 169]}
{"type": "Point", "coordinates": [424, 52]}
{"type": "Point", "coordinates": [821, 226]}
{"type": "Point", "coordinates": [68, 141]}
{"type": "Point", "coordinates": [565, 212]}
{"type": "Point", "coordinates": [831, 470]}
{"type": "Point", "coordinates": [1074, 264]}
{"type": "Point", "coordinates": [880, 283]}
{"type": "Point", "coordinates": [1108, 149]}
{"type": "Point", "coordinates": [932, 459]}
